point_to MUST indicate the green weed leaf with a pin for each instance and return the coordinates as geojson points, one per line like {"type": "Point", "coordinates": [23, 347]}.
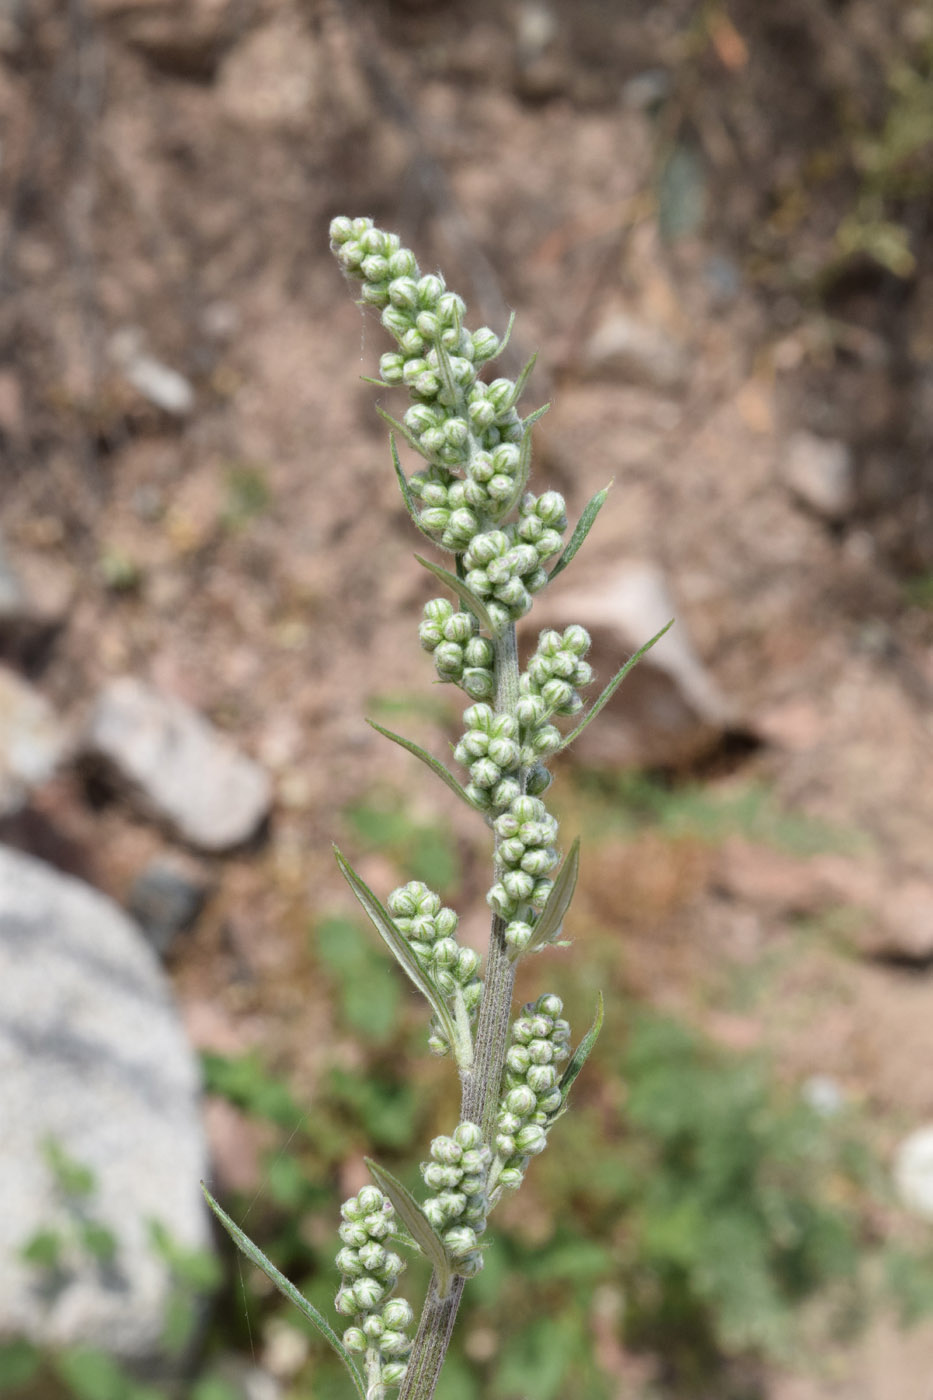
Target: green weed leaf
{"type": "Point", "coordinates": [613, 685]}
{"type": "Point", "coordinates": [581, 530]}
{"type": "Point", "coordinates": [405, 489]}
{"type": "Point", "coordinates": [434, 764]}
{"type": "Point", "coordinates": [416, 1223]}
{"type": "Point", "coordinates": [398, 945]}
{"type": "Point", "coordinates": [464, 592]}
{"type": "Point", "coordinates": [558, 901]}
{"type": "Point", "coordinates": [256, 1256]}
{"type": "Point", "coordinates": [581, 1055]}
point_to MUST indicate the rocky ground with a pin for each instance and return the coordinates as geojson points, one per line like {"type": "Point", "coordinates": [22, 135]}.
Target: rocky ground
{"type": "Point", "coordinates": [206, 579]}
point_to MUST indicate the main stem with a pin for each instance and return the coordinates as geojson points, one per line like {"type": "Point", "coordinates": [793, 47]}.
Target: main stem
{"type": "Point", "coordinates": [479, 1101]}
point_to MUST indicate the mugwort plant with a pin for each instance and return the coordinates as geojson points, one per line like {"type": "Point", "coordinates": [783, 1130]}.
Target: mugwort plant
{"type": "Point", "coordinates": [471, 499]}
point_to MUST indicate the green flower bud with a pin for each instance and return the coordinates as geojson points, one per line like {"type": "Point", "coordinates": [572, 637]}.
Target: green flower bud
{"type": "Point", "coordinates": [354, 1339]}
{"type": "Point", "coordinates": [430, 290]}
{"type": "Point", "coordinates": [506, 792]}
{"type": "Point", "coordinates": [518, 935]}
{"type": "Point", "coordinates": [394, 1373]}
{"type": "Point", "coordinates": [538, 779]}
{"type": "Point", "coordinates": [530, 1140]}
{"type": "Point", "coordinates": [397, 1314]}
{"type": "Point", "coordinates": [485, 343]}
{"type": "Point", "coordinates": [394, 1344]}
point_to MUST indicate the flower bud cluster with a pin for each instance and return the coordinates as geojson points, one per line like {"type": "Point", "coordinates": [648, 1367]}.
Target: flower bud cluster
{"type": "Point", "coordinates": [531, 1096]}
{"type": "Point", "coordinates": [460, 654]}
{"type": "Point", "coordinates": [431, 932]}
{"type": "Point", "coordinates": [526, 855]}
{"type": "Point", "coordinates": [504, 573]}
{"type": "Point", "coordinates": [458, 1172]}
{"type": "Point", "coordinates": [369, 1271]}
{"type": "Point", "coordinates": [491, 751]}
{"type": "Point", "coordinates": [467, 430]}
{"type": "Point", "coordinates": [552, 674]}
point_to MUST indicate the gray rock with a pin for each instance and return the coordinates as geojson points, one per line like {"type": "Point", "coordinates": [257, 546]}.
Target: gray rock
{"type": "Point", "coordinates": [36, 594]}
{"type": "Point", "coordinates": [913, 1172]}
{"type": "Point", "coordinates": [625, 348]}
{"type": "Point", "coordinates": [668, 710]}
{"type": "Point", "coordinates": [12, 595]}
{"type": "Point", "coordinates": [167, 897]}
{"type": "Point", "coordinates": [32, 741]}
{"type": "Point", "coordinates": [174, 766]}
{"type": "Point", "coordinates": [820, 473]}
{"type": "Point", "coordinates": [94, 1060]}
{"type": "Point", "coordinates": [159, 383]}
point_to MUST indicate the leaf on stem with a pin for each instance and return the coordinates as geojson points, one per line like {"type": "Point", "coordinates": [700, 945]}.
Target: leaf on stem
{"type": "Point", "coordinates": [613, 685]}
{"type": "Point", "coordinates": [581, 531]}
{"type": "Point", "coordinates": [377, 383]}
{"type": "Point", "coordinates": [503, 343]}
{"type": "Point", "coordinates": [402, 431]}
{"type": "Point", "coordinates": [533, 417]}
{"type": "Point", "coordinates": [398, 945]}
{"type": "Point", "coordinates": [434, 764]}
{"type": "Point", "coordinates": [256, 1256]}
{"type": "Point", "coordinates": [416, 1223]}
{"type": "Point", "coordinates": [580, 1056]}
{"type": "Point", "coordinates": [463, 591]}
{"type": "Point", "coordinates": [405, 489]}
{"type": "Point", "coordinates": [521, 476]}
{"type": "Point", "coordinates": [451, 388]}
{"type": "Point", "coordinates": [552, 915]}
{"type": "Point", "coordinates": [522, 380]}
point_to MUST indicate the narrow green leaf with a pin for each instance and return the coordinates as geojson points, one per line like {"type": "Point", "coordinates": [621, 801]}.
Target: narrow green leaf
{"type": "Point", "coordinates": [405, 489]}
{"type": "Point", "coordinates": [532, 418]}
{"type": "Point", "coordinates": [398, 945]}
{"type": "Point", "coordinates": [401, 430]}
{"type": "Point", "coordinates": [581, 1054]}
{"type": "Point", "coordinates": [463, 1046]}
{"type": "Point", "coordinates": [256, 1256]}
{"type": "Point", "coordinates": [552, 915]}
{"type": "Point", "coordinates": [463, 591]}
{"type": "Point", "coordinates": [581, 531]}
{"type": "Point", "coordinates": [521, 476]}
{"type": "Point", "coordinates": [451, 388]}
{"type": "Point", "coordinates": [613, 685]}
{"type": "Point", "coordinates": [522, 380]}
{"type": "Point", "coordinates": [417, 1224]}
{"type": "Point", "coordinates": [503, 343]}
{"type": "Point", "coordinates": [434, 764]}
{"type": "Point", "coordinates": [377, 383]}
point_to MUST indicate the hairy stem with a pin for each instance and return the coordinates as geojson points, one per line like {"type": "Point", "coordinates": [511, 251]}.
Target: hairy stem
{"type": "Point", "coordinates": [481, 1084]}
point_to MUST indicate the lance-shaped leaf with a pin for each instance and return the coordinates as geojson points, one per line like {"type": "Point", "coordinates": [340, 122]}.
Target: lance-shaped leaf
{"type": "Point", "coordinates": [434, 764]}
{"type": "Point", "coordinates": [416, 1223]}
{"type": "Point", "coordinates": [580, 1056]}
{"type": "Point", "coordinates": [581, 531]}
{"type": "Point", "coordinates": [518, 387]}
{"type": "Point", "coordinates": [463, 1047]}
{"type": "Point", "coordinates": [548, 924]}
{"type": "Point", "coordinates": [613, 685]}
{"type": "Point", "coordinates": [464, 592]}
{"type": "Point", "coordinates": [504, 342]}
{"type": "Point", "coordinates": [398, 945]}
{"type": "Point", "coordinates": [256, 1256]}
{"type": "Point", "coordinates": [533, 417]}
{"type": "Point", "coordinates": [402, 431]}
{"type": "Point", "coordinates": [445, 369]}
{"type": "Point", "coordinates": [405, 489]}
{"type": "Point", "coordinates": [377, 383]}
{"type": "Point", "coordinates": [521, 476]}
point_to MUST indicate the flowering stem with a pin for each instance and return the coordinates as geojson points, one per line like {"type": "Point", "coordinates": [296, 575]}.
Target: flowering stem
{"type": "Point", "coordinates": [480, 1085]}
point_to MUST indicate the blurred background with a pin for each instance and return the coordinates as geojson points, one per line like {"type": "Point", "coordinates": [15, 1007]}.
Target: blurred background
{"type": "Point", "coordinates": [713, 222]}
